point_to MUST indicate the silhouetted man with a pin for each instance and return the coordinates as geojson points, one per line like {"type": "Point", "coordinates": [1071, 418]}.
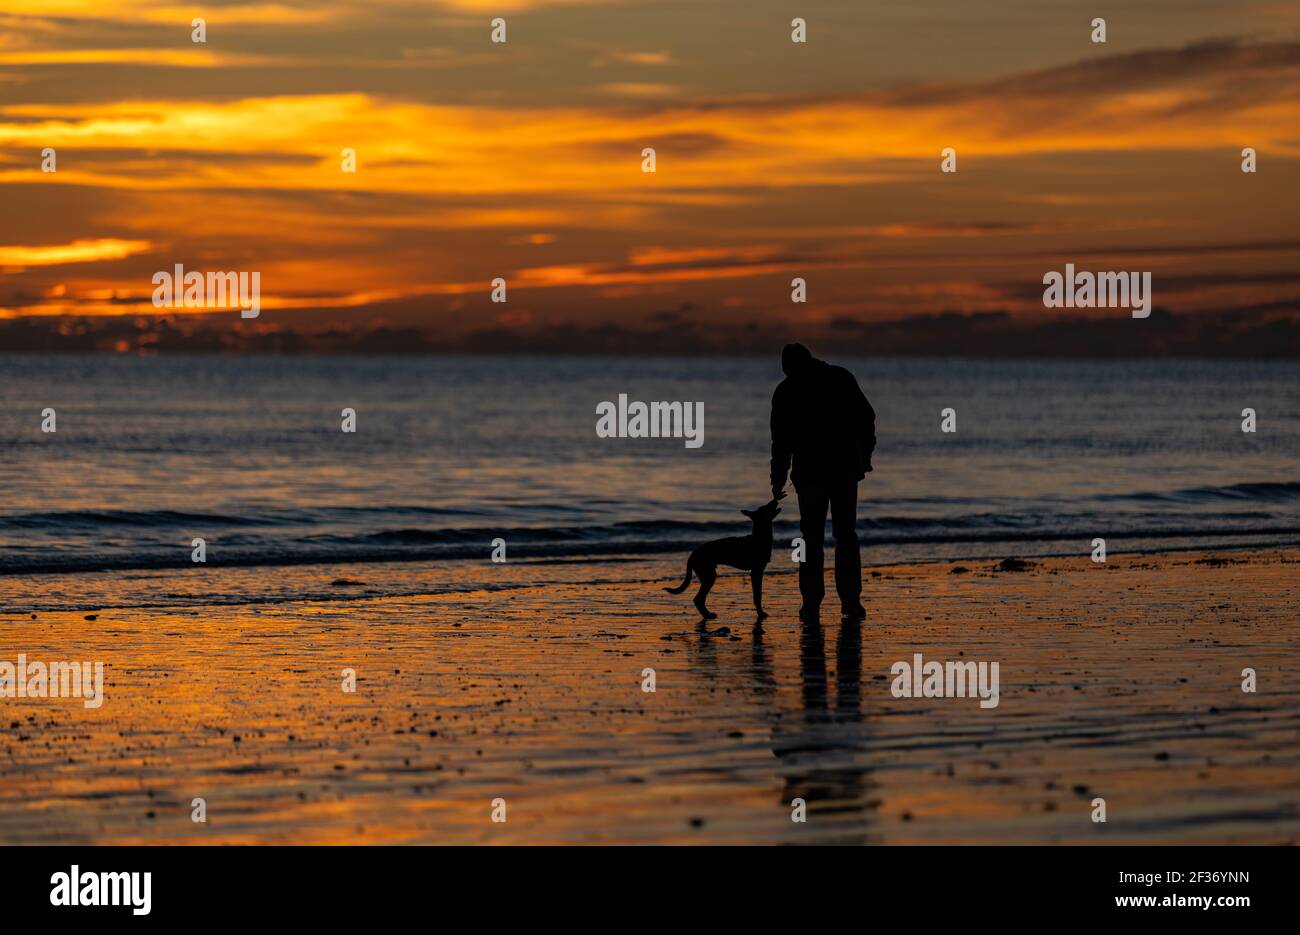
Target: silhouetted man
{"type": "Point", "coordinates": [823, 423]}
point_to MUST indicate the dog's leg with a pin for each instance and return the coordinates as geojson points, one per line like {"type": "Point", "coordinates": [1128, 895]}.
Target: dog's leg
{"type": "Point", "coordinates": [756, 581]}
{"type": "Point", "coordinates": [707, 576]}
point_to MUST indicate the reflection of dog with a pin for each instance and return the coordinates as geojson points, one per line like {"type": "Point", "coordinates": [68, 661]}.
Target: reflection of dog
{"type": "Point", "coordinates": [751, 553]}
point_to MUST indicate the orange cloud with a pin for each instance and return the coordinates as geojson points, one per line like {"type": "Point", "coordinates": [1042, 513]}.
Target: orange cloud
{"type": "Point", "coordinates": [411, 147]}
{"type": "Point", "coordinates": [167, 11]}
{"type": "Point", "coordinates": [80, 251]}
{"type": "Point", "coordinates": [198, 57]}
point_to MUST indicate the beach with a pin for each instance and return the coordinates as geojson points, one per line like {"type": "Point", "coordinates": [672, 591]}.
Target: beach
{"type": "Point", "coordinates": [1120, 681]}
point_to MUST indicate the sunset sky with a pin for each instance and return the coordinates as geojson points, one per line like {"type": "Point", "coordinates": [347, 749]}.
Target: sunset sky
{"type": "Point", "coordinates": [523, 160]}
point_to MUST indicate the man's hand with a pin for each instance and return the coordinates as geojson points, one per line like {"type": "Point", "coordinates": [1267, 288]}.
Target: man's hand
{"type": "Point", "coordinates": [778, 491]}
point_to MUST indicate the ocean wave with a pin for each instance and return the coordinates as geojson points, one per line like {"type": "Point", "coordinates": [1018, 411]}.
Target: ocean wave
{"type": "Point", "coordinates": [53, 520]}
{"type": "Point", "coordinates": [1264, 492]}
{"type": "Point", "coordinates": [577, 543]}
{"type": "Point", "coordinates": [1001, 512]}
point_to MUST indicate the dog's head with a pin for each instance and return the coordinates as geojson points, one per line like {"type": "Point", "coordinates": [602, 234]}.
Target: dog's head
{"type": "Point", "coordinates": [767, 512]}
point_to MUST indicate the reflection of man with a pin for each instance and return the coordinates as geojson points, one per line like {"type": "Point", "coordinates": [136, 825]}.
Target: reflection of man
{"type": "Point", "coordinates": [822, 422]}
{"type": "Point", "coordinates": [823, 751]}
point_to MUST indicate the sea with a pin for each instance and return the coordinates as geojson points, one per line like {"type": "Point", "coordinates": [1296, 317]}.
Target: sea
{"type": "Point", "coordinates": [453, 454]}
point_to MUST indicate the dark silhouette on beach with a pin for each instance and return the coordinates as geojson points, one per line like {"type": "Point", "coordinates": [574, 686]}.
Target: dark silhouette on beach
{"type": "Point", "coordinates": [749, 553]}
{"type": "Point", "coordinates": [823, 435]}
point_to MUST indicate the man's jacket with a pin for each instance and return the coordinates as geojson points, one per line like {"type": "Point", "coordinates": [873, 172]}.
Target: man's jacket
{"type": "Point", "coordinates": [822, 422]}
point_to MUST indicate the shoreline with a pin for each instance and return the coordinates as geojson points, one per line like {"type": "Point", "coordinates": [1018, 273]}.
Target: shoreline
{"type": "Point", "coordinates": [337, 570]}
{"type": "Point", "coordinates": [618, 552]}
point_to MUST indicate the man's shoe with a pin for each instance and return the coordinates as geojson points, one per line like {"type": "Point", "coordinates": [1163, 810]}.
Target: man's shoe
{"type": "Point", "coordinates": [809, 614]}
{"type": "Point", "coordinates": [853, 613]}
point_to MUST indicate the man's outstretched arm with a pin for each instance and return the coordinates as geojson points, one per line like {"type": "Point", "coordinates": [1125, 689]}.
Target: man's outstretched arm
{"type": "Point", "coordinates": [781, 443]}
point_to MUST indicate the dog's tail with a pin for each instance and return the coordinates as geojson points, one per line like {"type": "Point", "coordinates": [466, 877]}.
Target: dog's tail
{"type": "Point", "coordinates": [686, 582]}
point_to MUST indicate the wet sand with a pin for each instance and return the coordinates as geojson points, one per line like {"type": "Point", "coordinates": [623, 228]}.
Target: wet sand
{"type": "Point", "coordinates": [1121, 681]}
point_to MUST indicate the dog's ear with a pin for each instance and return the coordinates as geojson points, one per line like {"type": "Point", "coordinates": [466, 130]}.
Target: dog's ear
{"type": "Point", "coordinates": [748, 513]}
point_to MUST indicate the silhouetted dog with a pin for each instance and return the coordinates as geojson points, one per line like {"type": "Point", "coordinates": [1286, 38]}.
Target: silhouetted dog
{"type": "Point", "coordinates": [750, 553]}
